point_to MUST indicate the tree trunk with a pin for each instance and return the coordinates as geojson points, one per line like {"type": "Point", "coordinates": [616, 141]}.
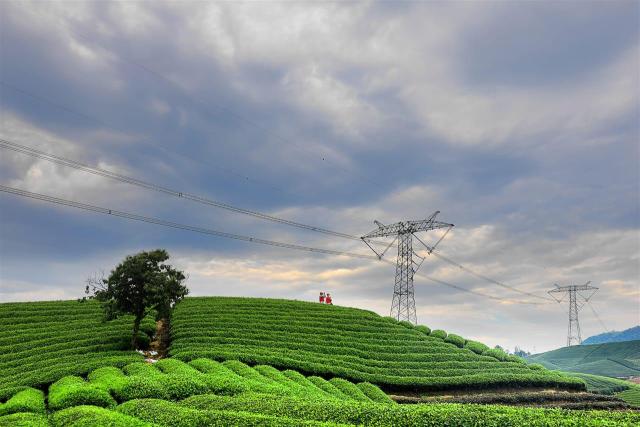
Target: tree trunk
{"type": "Point", "coordinates": [136, 328]}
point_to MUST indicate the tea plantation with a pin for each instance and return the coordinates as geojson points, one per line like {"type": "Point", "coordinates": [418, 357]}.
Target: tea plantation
{"type": "Point", "coordinates": [285, 363]}
{"type": "Point", "coordinates": [355, 344]}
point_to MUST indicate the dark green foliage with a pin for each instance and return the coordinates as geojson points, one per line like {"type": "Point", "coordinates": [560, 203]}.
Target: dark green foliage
{"type": "Point", "coordinates": [406, 324]}
{"type": "Point", "coordinates": [456, 340]}
{"type": "Point", "coordinates": [438, 333]}
{"type": "Point", "coordinates": [139, 285]}
{"type": "Point", "coordinates": [424, 329]}
{"type": "Point", "coordinates": [537, 367]}
{"type": "Point", "coordinates": [28, 400]}
{"type": "Point", "coordinates": [476, 347]}
{"type": "Point", "coordinates": [24, 419]}
{"type": "Point", "coordinates": [91, 416]}
{"type": "Point", "coordinates": [74, 391]}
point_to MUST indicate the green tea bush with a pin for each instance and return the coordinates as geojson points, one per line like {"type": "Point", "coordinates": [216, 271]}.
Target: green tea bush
{"type": "Point", "coordinates": [497, 353]}
{"type": "Point", "coordinates": [406, 324]}
{"type": "Point", "coordinates": [424, 329]}
{"type": "Point", "coordinates": [537, 367]}
{"type": "Point", "coordinates": [374, 393]}
{"type": "Point", "coordinates": [180, 386]}
{"type": "Point", "coordinates": [24, 419]}
{"type": "Point", "coordinates": [28, 400]}
{"type": "Point", "coordinates": [164, 413]}
{"type": "Point", "coordinates": [456, 340]}
{"type": "Point", "coordinates": [438, 333]}
{"type": "Point", "coordinates": [91, 416]}
{"type": "Point", "coordinates": [140, 387]}
{"type": "Point", "coordinates": [476, 347]}
{"type": "Point", "coordinates": [349, 389]}
{"type": "Point", "coordinates": [75, 391]}
{"type": "Point", "coordinates": [328, 388]}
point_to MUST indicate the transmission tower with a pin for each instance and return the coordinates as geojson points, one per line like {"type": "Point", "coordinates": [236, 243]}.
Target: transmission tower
{"type": "Point", "coordinates": [577, 300]}
{"type": "Point", "coordinates": [403, 306]}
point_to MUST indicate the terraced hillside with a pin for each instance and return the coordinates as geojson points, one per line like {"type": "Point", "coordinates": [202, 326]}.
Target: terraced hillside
{"type": "Point", "coordinates": [43, 341]}
{"type": "Point", "coordinates": [205, 392]}
{"type": "Point", "coordinates": [616, 359]}
{"type": "Point", "coordinates": [349, 343]}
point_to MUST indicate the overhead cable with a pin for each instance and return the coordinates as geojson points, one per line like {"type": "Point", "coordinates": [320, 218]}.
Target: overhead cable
{"type": "Point", "coordinates": [164, 223]}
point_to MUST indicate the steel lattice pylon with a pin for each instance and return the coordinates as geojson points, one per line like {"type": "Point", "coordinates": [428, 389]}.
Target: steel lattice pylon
{"type": "Point", "coordinates": [403, 305]}
{"type": "Point", "coordinates": [573, 330]}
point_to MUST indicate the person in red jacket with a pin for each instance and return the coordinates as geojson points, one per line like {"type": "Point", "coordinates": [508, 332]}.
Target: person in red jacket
{"type": "Point", "coordinates": [328, 299]}
{"type": "Point", "coordinates": [321, 297]}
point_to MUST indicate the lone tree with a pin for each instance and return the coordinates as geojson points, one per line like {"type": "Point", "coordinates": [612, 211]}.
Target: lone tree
{"type": "Point", "coordinates": [139, 285]}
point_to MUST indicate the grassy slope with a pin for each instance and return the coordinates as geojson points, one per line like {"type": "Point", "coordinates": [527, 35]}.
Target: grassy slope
{"type": "Point", "coordinates": [41, 342]}
{"type": "Point", "coordinates": [339, 341]}
{"type": "Point", "coordinates": [618, 359]}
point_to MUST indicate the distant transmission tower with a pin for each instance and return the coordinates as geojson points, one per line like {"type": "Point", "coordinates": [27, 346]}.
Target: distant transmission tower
{"type": "Point", "coordinates": [576, 301]}
{"type": "Point", "coordinates": [403, 306]}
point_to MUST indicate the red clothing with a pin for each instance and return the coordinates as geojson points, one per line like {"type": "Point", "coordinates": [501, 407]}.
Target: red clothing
{"type": "Point", "coordinates": [329, 300]}
{"type": "Point", "coordinates": [321, 299]}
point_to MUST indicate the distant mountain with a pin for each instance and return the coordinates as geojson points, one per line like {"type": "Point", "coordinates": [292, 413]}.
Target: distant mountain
{"type": "Point", "coordinates": [614, 359]}
{"type": "Point", "coordinates": [615, 336]}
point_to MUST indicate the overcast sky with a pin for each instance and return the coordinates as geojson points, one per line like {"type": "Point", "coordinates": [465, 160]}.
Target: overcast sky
{"type": "Point", "coordinates": [519, 121]}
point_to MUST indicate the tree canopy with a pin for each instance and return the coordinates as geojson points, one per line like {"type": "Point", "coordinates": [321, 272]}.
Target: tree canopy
{"type": "Point", "coordinates": [139, 285]}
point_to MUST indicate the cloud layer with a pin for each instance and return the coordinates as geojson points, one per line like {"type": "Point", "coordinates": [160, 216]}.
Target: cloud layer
{"type": "Point", "coordinates": [519, 122]}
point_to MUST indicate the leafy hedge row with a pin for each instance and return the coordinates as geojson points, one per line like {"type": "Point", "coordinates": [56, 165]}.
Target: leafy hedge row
{"type": "Point", "coordinates": [361, 413]}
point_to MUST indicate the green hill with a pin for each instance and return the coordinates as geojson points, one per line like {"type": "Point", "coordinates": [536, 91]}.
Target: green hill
{"type": "Point", "coordinates": [617, 359]}
{"type": "Point", "coordinates": [630, 334]}
{"type": "Point", "coordinates": [355, 344]}
{"type": "Point", "coordinates": [306, 364]}
{"type": "Point", "coordinates": [41, 342]}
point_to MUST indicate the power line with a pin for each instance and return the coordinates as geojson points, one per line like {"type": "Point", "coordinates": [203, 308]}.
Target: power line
{"type": "Point", "coordinates": [144, 139]}
{"type": "Point", "coordinates": [597, 317]}
{"type": "Point", "coordinates": [488, 279]}
{"type": "Point", "coordinates": [9, 145]}
{"type": "Point", "coordinates": [211, 202]}
{"type": "Point", "coordinates": [157, 221]}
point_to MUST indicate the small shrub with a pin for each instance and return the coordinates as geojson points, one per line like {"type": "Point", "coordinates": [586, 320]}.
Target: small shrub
{"type": "Point", "coordinates": [438, 333]}
{"type": "Point", "coordinates": [374, 393]}
{"type": "Point", "coordinates": [140, 387]}
{"type": "Point", "coordinates": [24, 419]}
{"type": "Point", "coordinates": [350, 389]}
{"type": "Point", "coordinates": [424, 329]}
{"type": "Point", "coordinates": [406, 324]}
{"type": "Point", "coordinates": [74, 391]}
{"type": "Point", "coordinates": [455, 340]}
{"type": "Point", "coordinates": [497, 353]}
{"type": "Point", "coordinates": [180, 386]}
{"type": "Point", "coordinates": [476, 347]}
{"type": "Point", "coordinates": [537, 367]}
{"type": "Point", "coordinates": [29, 400]}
